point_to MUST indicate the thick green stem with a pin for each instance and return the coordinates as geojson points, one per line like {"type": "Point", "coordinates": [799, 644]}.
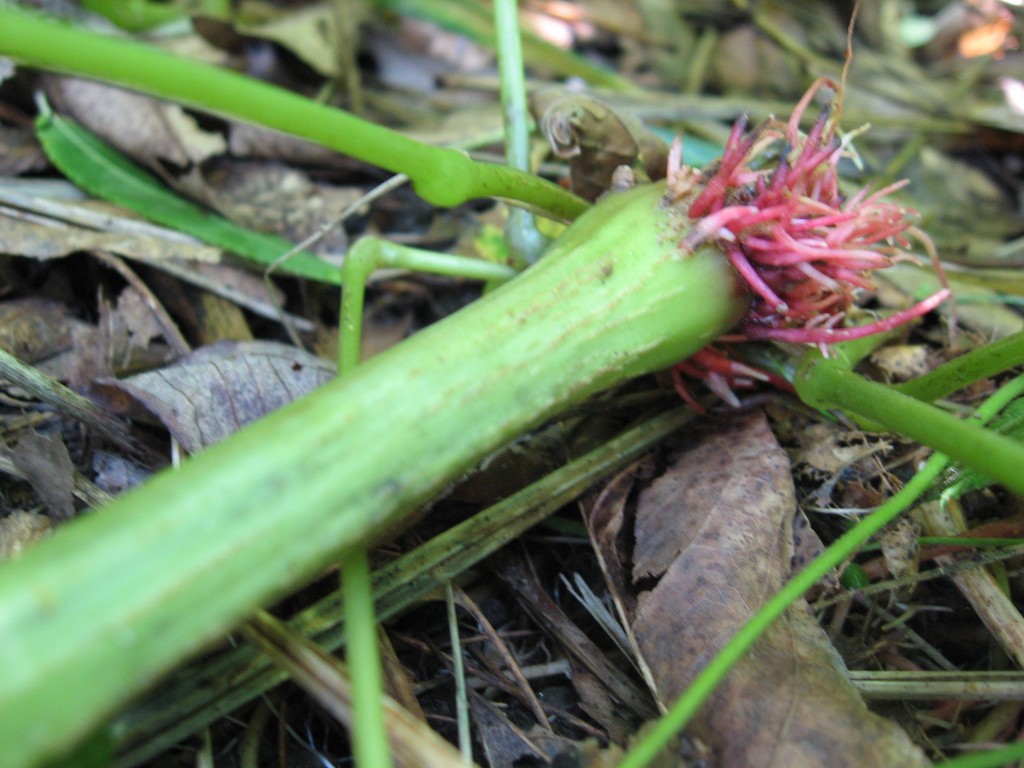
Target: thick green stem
{"type": "Point", "coordinates": [114, 599]}
{"type": "Point", "coordinates": [440, 176]}
{"type": "Point", "coordinates": [829, 383]}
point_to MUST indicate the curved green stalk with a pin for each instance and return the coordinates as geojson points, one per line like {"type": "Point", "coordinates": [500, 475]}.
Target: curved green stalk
{"type": "Point", "coordinates": [843, 548]}
{"type": "Point", "coordinates": [829, 383]}
{"type": "Point", "coordinates": [366, 256]}
{"type": "Point", "coordinates": [981, 363]}
{"type": "Point", "coordinates": [114, 599]}
{"type": "Point", "coordinates": [444, 177]}
{"type": "Point", "coordinates": [370, 254]}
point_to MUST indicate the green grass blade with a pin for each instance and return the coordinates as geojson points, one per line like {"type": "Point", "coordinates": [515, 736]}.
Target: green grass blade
{"type": "Point", "coordinates": [104, 172]}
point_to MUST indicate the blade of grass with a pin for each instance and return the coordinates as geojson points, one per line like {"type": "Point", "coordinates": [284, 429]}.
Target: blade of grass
{"type": "Point", "coordinates": [104, 172]}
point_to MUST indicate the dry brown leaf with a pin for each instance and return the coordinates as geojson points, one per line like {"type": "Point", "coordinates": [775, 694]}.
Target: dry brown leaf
{"type": "Point", "coordinates": [842, 464]}
{"type": "Point", "coordinates": [35, 329]}
{"type": "Point", "coordinates": [130, 331]}
{"type": "Point", "coordinates": [504, 744]}
{"type": "Point", "coordinates": [714, 540]}
{"type": "Point", "coordinates": [271, 197]}
{"type": "Point", "coordinates": [39, 241]}
{"type": "Point", "coordinates": [308, 32]}
{"type": "Point", "coordinates": [44, 462]}
{"type": "Point", "coordinates": [217, 390]}
{"type": "Point", "coordinates": [20, 152]}
{"type": "Point", "coordinates": [153, 132]}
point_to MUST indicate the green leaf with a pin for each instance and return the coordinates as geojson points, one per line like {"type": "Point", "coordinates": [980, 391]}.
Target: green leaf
{"type": "Point", "coordinates": [104, 172]}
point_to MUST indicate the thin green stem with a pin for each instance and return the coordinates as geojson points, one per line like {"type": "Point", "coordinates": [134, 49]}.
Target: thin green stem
{"type": "Point", "coordinates": [981, 363]}
{"type": "Point", "coordinates": [370, 254]}
{"type": "Point", "coordinates": [828, 383]}
{"type": "Point", "coordinates": [459, 673]}
{"type": "Point", "coordinates": [691, 700]}
{"type": "Point", "coordinates": [442, 176]}
{"type": "Point", "coordinates": [369, 735]}
{"type": "Point", "coordinates": [525, 242]}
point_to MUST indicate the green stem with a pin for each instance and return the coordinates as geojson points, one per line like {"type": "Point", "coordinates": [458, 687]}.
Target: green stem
{"type": "Point", "coordinates": [828, 383]}
{"type": "Point", "coordinates": [259, 514]}
{"type": "Point", "coordinates": [370, 254]}
{"type": "Point", "coordinates": [843, 548]}
{"type": "Point", "coordinates": [981, 363]}
{"type": "Point", "coordinates": [369, 735]}
{"type": "Point", "coordinates": [524, 241]}
{"type": "Point", "coordinates": [368, 732]}
{"type": "Point", "coordinates": [444, 177]}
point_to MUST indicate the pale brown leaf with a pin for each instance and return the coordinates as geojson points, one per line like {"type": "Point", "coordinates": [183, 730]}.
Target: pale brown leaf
{"type": "Point", "coordinates": [44, 462]}
{"type": "Point", "coordinates": [153, 132]}
{"type": "Point", "coordinates": [217, 390]}
{"type": "Point", "coordinates": [20, 152]}
{"type": "Point", "coordinates": [35, 329]}
{"type": "Point", "coordinates": [50, 241]}
{"type": "Point", "coordinates": [272, 197]}
{"type": "Point", "coordinates": [713, 541]}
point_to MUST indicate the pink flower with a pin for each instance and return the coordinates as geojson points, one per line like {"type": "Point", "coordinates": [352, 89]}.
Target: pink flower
{"type": "Point", "coordinates": [802, 248]}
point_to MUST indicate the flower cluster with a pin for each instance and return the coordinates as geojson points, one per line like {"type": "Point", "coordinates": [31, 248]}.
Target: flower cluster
{"type": "Point", "coordinates": [773, 205]}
